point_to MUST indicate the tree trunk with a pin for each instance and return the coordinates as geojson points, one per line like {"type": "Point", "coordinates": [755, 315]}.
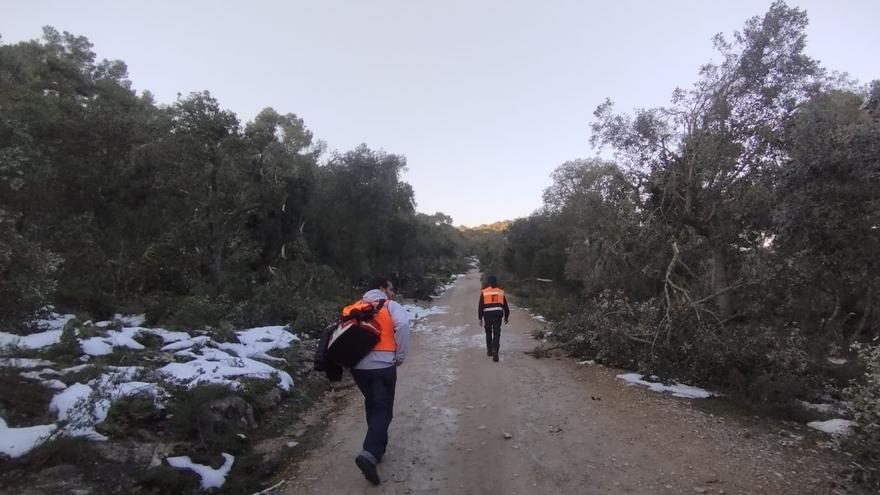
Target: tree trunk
{"type": "Point", "coordinates": [720, 282]}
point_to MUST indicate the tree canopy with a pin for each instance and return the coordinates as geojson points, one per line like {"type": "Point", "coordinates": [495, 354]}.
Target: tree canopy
{"type": "Point", "coordinates": [109, 201]}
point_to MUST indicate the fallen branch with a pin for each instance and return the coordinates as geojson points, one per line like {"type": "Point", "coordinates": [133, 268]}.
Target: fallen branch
{"type": "Point", "coordinates": [640, 340]}
{"type": "Point", "coordinates": [267, 490]}
{"type": "Point", "coordinates": [720, 292]}
{"type": "Point", "coordinates": [666, 319]}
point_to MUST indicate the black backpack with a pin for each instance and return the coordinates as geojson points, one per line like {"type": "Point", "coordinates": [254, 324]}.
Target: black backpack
{"type": "Point", "coordinates": [345, 342]}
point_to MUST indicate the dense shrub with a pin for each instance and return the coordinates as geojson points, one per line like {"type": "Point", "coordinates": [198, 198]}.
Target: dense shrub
{"type": "Point", "coordinates": [865, 443]}
{"type": "Point", "coordinates": [29, 272]}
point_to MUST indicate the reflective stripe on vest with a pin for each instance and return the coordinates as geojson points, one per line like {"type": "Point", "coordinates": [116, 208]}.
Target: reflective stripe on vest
{"type": "Point", "coordinates": [493, 295]}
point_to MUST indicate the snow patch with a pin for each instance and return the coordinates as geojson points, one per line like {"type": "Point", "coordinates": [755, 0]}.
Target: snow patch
{"type": "Point", "coordinates": [32, 341]}
{"type": "Point", "coordinates": [131, 320]}
{"type": "Point", "coordinates": [95, 346]}
{"type": "Point", "coordinates": [25, 363]}
{"type": "Point", "coordinates": [203, 370]}
{"type": "Point", "coordinates": [85, 405]}
{"type": "Point", "coordinates": [167, 336]}
{"type": "Point", "coordinates": [678, 390]}
{"type": "Point", "coordinates": [54, 321]}
{"type": "Point", "coordinates": [76, 369]}
{"type": "Point", "coordinates": [210, 477]}
{"type": "Point", "coordinates": [120, 339]}
{"type": "Point", "coordinates": [833, 426]}
{"type": "Point", "coordinates": [16, 442]}
{"type": "Point", "coordinates": [417, 312]}
{"type": "Point", "coordinates": [187, 343]}
{"type": "Point", "coordinates": [256, 342]}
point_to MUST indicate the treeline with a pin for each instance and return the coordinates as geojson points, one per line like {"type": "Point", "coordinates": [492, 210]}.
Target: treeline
{"type": "Point", "coordinates": [110, 202]}
{"type": "Point", "coordinates": [733, 239]}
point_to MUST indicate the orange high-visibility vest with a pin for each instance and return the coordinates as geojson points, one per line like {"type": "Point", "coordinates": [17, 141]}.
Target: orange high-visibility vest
{"type": "Point", "coordinates": [382, 320]}
{"type": "Point", "coordinates": [387, 342]}
{"type": "Point", "coordinates": [492, 295]}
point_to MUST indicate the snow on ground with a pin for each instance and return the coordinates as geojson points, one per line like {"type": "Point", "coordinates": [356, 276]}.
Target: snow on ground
{"type": "Point", "coordinates": [213, 365]}
{"type": "Point", "coordinates": [81, 406]}
{"type": "Point", "coordinates": [100, 346]}
{"type": "Point", "coordinates": [833, 426]}
{"type": "Point", "coordinates": [678, 390]}
{"type": "Point", "coordinates": [828, 406]}
{"type": "Point", "coordinates": [16, 442]}
{"type": "Point", "coordinates": [418, 312]}
{"type": "Point", "coordinates": [96, 346]}
{"type": "Point", "coordinates": [256, 342]}
{"type": "Point", "coordinates": [32, 341]}
{"type": "Point", "coordinates": [219, 369]}
{"type": "Point", "coordinates": [54, 321]}
{"type": "Point", "coordinates": [167, 336]}
{"type": "Point", "coordinates": [187, 343]}
{"type": "Point", "coordinates": [535, 316]}
{"type": "Point", "coordinates": [26, 363]}
{"type": "Point", "coordinates": [75, 369]}
{"type": "Point", "coordinates": [442, 290]}
{"type": "Point", "coordinates": [39, 375]}
{"type": "Point", "coordinates": [211, 478]}
{"type": "Point", "coordinates": [52, 327]}
{"type": "Point", "coordinates": [131, 320]}
{"type": "Point", "coordinates": [121, 339]}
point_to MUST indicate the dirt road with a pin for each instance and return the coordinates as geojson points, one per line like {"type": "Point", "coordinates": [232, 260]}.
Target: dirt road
{"type": "Point", "coordinates": [575, 428]}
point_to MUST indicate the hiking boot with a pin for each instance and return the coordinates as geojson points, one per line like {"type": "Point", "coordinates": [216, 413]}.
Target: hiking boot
{"type": "Point", "coordinates": [368, 468]}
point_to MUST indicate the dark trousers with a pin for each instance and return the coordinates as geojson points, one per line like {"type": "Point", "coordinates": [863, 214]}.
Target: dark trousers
{"type": "Point", "coordinates": [378, 389]}
{"type": "Point", "coordinates": [493, 332]}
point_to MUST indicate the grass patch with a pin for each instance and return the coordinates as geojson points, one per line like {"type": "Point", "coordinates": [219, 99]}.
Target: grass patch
{"type": "Point", "coordinates": [24, 402]}
{"type": "Point", "coordinates": [55, 452]}
{"type": "Point", "coordinates": [135, 417]}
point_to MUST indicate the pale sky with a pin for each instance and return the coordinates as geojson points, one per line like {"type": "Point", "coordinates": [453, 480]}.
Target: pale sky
{"type": "Point", "coordinates": [484, 98]}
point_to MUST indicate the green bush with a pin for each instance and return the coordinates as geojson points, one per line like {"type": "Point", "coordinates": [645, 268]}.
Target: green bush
{"type": "Point", "coordinates": [186, 311]}
{"type": "Point", "coordinates": [166, 479]}
{"type": "Point", "coordinates": [191, 419]}
{"type": "Point", "coordinates": [59, 450]}
{"type": "Point", "coordinates": [24, 402]}
{"type": "Point", "coordinates": [864, 444]}
{"type": "Point", "coordinates": [67, 349]}
{"type": "Point", "coordinates": [764, 365]}
{"type": "Point", "coordinates": [133, 417]}
{"type": "Point", "coordinates": [313, 318]}
{"type": "Point", "coordinates": [29, 273]}
{"type": "Point", "coordinates": [612, 330]}
{"type": "Point", "coordinates": [289, 296]}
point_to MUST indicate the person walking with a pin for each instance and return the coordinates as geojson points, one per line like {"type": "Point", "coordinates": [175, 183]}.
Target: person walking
{"type": "Point", "coordinates": [492, 309]}
{"type": "Point", "coordinates": [376, 374]}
